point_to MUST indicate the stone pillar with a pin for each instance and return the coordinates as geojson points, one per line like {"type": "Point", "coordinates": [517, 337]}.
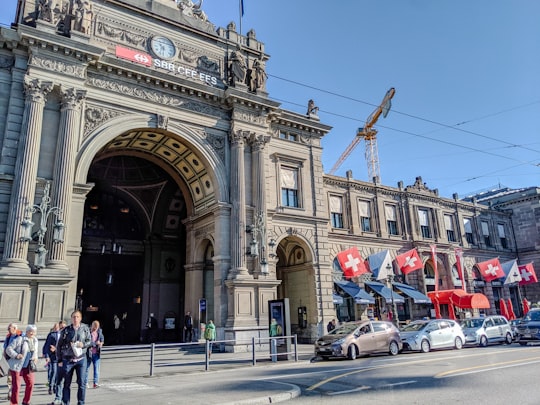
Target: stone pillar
{"type": "Point", "coordinates": [238, 214]}
{"type": "Point", "coordinates": [64, 168]}
{"type": "Point", "coordinates": [24, 184]}
{"type": "Point", "coordinates": [259, 190]}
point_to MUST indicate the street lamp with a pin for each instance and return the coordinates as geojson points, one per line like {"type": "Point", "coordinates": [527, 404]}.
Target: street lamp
{"type": "Point", "coordinates": [390, 279]}
{"type": "Point", "coordinates": [45, 210]}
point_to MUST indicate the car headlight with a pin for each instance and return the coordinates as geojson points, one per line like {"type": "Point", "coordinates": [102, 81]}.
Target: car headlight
{"type": "Point", "coordinates": [339, 342]}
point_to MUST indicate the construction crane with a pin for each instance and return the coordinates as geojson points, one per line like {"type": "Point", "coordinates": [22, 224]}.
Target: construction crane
{"type": "Point", "coordinates": [370, 135]}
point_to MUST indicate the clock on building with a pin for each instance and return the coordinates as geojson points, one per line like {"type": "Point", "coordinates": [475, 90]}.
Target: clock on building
{"type": "Point", "coordinates": [162, 47]}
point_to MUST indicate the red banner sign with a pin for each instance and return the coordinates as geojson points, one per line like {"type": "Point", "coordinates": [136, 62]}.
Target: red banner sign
{"type": "Point", "coordinates": [134, 56]}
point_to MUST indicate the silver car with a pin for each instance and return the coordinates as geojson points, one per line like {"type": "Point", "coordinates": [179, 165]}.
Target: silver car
{"type": "Point", "coordinates": [355, 338]}
{"type": "Point", "coordinates": [491, 329]}
{"type": "Point", "coordinates": [425, 335]}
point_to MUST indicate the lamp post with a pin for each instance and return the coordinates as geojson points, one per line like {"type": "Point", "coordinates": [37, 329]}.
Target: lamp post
{"type": "Point", "coordinates": [390, 279]}
{"type": "Point", "coordinates": [27, 225]}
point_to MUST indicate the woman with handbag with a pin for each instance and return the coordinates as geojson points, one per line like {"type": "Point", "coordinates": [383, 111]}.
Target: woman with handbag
{"type": "Point", "coordinates": [23, 356]}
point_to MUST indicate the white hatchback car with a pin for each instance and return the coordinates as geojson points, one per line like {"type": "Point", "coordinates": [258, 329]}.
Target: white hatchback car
{"type": "Point", "coordinates": [490, 329]}
{"type": "Point", "coordinates": [432, 334]}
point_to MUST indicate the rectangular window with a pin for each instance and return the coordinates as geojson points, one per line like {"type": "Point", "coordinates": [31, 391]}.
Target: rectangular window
{"type": "Point", "coordinates": [485, 233]}
{"type": "Point", "coordinates": [288, 136]}
{"type": "Point", "coordinates": [502, 236]}
{"type": "Point", "coordinates": [364, 211]}
{"type": "Point", "coordinates": [336, 211]}
{"type": "Point", "coordinates": [424, 223]}
{"type": "Point", "coordinates": [449, 226]}
{"type": "Point", "coordinates": [289, 187]}
{"type": "Point", "coordinates": [467, 225]}
{"type": "Point", "coordinates": [391, 219]}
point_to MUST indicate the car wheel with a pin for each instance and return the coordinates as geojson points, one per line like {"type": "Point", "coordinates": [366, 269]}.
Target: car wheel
{"type": "Point", "coordinates": [424, 346]}
{"type": "Point", "coordinates": [483, 341]}
{"type": "Point", "coordinates": [509, 339]}
{"type": "Point", "coordinates": [458, 344]}
{"type": "Point", "coordinates": [351, 352]}
{"type": "Point", "coordinates": [393, 349]}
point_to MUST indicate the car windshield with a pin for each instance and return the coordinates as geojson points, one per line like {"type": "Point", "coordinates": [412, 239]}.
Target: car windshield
{"type": "Point", "coordinates": [532, 316]}
{"type": "Point", "coordinates": [344, 329]}
{"type": "Point", "coordinates": [471, 323]}
{"type": "Point", "coordinates": [414, 326]}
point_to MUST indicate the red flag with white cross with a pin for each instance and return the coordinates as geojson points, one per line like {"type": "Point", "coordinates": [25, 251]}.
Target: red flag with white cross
{"type": "Point", "coordinates": [528, 275]}
{"type": "Point", "coordinates": [491, 269]}
{"type": "Point", "coordinates": [351, 263]}
{"type": "Point", "coordinates": [409, 261]}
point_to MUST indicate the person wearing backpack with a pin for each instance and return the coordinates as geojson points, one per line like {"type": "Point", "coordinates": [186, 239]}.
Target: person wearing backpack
{"type": "Point", "coordinates": [210, 335]}
{"type": "Point", "coordinates": [23, 354]}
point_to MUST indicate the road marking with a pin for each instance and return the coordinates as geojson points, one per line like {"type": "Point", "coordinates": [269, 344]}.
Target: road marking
{"type": "Point", "coordinates": [362, 388]}
{"type": "Point", "coordinates": [482, 353]}
{"type": "Point", "coordinates": [128, 386]}
{"type": "Point", "coordinates": [399, 383]}
{"type": "Point", "coordinates": [486, 367]}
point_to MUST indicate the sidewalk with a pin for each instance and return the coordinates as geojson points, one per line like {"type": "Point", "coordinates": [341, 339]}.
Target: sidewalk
{"type": "Point", "coordinates": [125, 380]}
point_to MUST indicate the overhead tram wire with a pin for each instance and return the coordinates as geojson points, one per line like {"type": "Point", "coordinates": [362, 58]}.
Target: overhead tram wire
{"type": "Point", "coordinates": [485, 152]}
{"type": "Point", "coordinates": [453, 127]}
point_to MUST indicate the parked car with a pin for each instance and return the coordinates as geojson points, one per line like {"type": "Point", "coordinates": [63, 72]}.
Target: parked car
{"type": "Point", "coordinates": [359, 338]}
{"type": "Point", "coordinates": [426, 335]}
{"type": "Point", "coordinates": [513, 325]}
{"type": "Point", "coordinates": [528, 329]}
{"type": "Point", "coordinates": [490, 329]}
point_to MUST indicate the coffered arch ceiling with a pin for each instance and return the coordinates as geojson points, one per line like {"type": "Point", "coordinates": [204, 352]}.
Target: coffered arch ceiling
{"type": "Point", "coordinates": [173, 155]}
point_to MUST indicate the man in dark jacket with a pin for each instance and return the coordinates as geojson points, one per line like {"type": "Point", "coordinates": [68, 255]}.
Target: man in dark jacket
{"type": "Point", "coordinates": [49, 353]}
{"type": "Point", "coordinates": [72, 347]}
{"type": "Point", "coordinates": [188, 328]}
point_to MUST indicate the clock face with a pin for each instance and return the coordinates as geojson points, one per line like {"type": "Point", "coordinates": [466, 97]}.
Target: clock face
{"type": "Point", "coordinates": [163, 47]}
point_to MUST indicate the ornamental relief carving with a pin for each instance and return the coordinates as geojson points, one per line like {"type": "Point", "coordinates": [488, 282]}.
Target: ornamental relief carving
{"type": "Point", "coordinates": [249, 117]}
{"type": "Point", "coordinates": [121, 35]}
{"type": "Point", "coordinates": [218, 144]}
{"type": "Point", "coordinates": [58, 66]}
{"type": "Point", "coordinates": [95, 116]}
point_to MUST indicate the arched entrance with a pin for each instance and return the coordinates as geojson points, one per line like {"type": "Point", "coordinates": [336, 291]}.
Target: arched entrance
{"type": "Point", "coordinates": [295, 270]}
{"type": "Point", "coordinates": [135, 243]}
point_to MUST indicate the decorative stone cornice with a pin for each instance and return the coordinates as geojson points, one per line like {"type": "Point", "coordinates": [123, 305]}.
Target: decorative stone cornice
{"type": "Point", "coordinates": [58, 66]}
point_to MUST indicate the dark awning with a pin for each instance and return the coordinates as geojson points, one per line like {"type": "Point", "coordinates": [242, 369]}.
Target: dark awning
{"type": "Point", "coordinates": [385, 292]}
{"type": "Point", "coordinates": [416, 295]}
{"type": "Point", "coordinates": [359, 294]}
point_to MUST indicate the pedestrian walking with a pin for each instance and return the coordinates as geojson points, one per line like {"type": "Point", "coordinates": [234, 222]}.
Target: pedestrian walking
{"type": "Point", "coordinates": [188, 328]}
{"type": "Point", "coordinates": [51, 345]}
{"type": "Point", "coordinates": [74, 342]}
{"type": "Point", "coordinates": [331, 326]}
{"type": "Point", "coordinates": [23, 356]}
{"type": "Point", "coordinates": [94, 353]}
{"type": "Point", "coordinates": [13, 332]}
{"type": "Point", "coordinates": [210, 335]}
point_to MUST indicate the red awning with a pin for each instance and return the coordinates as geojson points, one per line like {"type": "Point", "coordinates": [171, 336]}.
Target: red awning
{"type": "Point", "coordinates": [459, 298]}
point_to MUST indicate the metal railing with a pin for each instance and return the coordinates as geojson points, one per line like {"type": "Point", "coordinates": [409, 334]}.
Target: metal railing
{"type": "Point", "coordinates": [176, 357]}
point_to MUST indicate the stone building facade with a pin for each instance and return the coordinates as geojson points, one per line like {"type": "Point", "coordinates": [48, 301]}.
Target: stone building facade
{"type": "Point", "coordinates": [181, 185]}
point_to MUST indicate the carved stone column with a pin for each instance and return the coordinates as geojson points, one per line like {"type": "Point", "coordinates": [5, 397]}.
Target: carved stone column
{"type": "Point", "coordinates": [26, 166]}
{"type": "Point", "coordinates": [238, 199]}
{"type": "Point", "coordinates": [258, 178]}
{"type": "Point", "coordinates": [66, 148]}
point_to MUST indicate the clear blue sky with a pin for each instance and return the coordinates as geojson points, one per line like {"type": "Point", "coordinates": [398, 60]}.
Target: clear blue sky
{"type": "Point", "coordinates": [466, 113]}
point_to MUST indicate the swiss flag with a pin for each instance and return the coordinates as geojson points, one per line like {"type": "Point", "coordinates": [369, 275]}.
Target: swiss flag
{"type": "Point", "coordinates": [491, 269]}
{"type": "Point", "coordinates": [409, 261]}
{"type": "Point", "coordinates": [351, 263]}
{"type": "Point", "coordinates": [528, 275]}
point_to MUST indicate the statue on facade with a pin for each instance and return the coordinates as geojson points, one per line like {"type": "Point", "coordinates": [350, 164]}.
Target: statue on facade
{"type": "Point", "coordinates": [257, 76]}
{"type": "Point", "coordinates": [312, 109]}
{"type": "Point", "coordinates": [81, 16]}
{"type": "Point", "coordinates": [237, 68]}
{"type": "Point", "coordinates": [45, 11]}
{"type": "Point", "coordinates": [190, 9]}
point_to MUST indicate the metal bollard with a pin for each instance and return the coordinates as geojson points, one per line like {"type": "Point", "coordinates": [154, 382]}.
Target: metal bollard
{"type": "Point", "coordinates": [273, 349]}
{"type": "Point", "coordinates": [152, 354]}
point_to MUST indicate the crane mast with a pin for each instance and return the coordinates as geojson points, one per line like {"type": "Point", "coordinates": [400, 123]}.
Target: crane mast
{"type": "Point", "coordinates": [369, 134]}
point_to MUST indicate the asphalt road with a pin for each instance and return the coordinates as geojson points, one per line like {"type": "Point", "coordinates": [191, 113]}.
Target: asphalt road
{"type": "Point", "coordinates": [494, 375]}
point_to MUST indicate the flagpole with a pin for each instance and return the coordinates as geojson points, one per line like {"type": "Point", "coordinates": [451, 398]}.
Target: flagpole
{"type": "Point", "coordinates": [241, 12]}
